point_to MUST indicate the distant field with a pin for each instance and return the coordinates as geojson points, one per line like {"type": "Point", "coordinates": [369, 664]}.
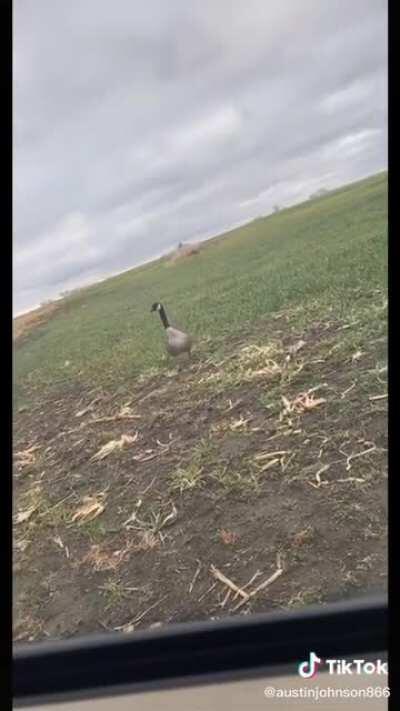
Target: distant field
{"type": "Point", "coordinates": [323, 252]}
{"type": "Point", "coordinates": [26, 323]}
{"type": "Point", "coordinates": [133, 479]}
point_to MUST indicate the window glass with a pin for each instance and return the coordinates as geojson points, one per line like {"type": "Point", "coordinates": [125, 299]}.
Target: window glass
{"type": "Point", "coordinates": [200, 326]}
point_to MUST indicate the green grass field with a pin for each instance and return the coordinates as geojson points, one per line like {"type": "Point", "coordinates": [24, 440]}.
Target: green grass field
{"type": "Point", "coordinates": [135, 481]}
{"type": "Point", "coordinates": [329, 252]}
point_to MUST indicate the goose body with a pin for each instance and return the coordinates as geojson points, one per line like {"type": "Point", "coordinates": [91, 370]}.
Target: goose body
{"type": "Point", "coordinates": [178, 342]}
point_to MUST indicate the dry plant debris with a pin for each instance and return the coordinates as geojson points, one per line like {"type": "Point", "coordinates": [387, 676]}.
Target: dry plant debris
{"type": "Point", "coordinates": [278, 572]}
{"type": "Point", "coordinates": [113, 445]}
{"type": "Point", "coordinates": [150, 529]}
{"type": "Point", "coordinates": [147, 541]}
{"type": "Point", "coordinates": [282, 457]}
{"type": "Point", "coordinates": [196, 575]}
{"type": "Point", "coordinates": [22, 544]}
{"type": "Point", "coordinates": [148, 454]}
{"type": "Point", "coordinates": [239, 423]}
{"type": "Point", "coordinates": [88, 408]}
{"type": "Point", "coordinates": [303, 537]}
{"type": "Point", "coordinates": [91, 508]}
{"type": "Point", "coordinates": [239, 591]}
{"type": "Point", "coordinates": [23, 516]}
{"type": "Point", "coordinates": [347, 391]}
{"type": "Point", "coordinates": [294, 349]}
{"type": "Point", "coordinates": [356, 356]}
{"type": "Point", "coordinates": [58, 541]}
{"type": "Point", "coordinates": [101, 559]}
{"type": "Point", "coordinates": [125, 413]}
{"type": "Point", "coordinates": [304, 402]}
{"type": "Point", "coordinates": [226, 581]}
{"type": "Point", "coordinates": [350, 457]}
{"type": "Point", "coordinates": [228, 537]}
{"type": "Point", "coordinates": [318, 479]}
{"type": "Point", "coordinates": [130, 626]}
{"type": "Point", "coordinates": [250, 363]}
{"type": "Point", "coordinates": [26, 457]}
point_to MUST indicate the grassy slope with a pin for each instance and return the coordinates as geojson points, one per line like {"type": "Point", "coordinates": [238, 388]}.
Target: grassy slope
{"type": "Point", "coordinates": [323, 252]}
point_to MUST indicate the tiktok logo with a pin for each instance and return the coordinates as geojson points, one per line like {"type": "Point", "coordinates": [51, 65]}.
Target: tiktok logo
{"type": "Point", "coordinates": [309, 668]}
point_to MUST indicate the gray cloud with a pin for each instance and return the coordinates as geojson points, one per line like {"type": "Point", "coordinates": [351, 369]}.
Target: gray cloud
{"type": "Point", "coordinates": [138, 125]}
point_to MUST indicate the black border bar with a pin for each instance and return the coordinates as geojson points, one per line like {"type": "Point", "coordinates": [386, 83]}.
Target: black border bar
{"type": "Point", "coordinates": [187, 654]}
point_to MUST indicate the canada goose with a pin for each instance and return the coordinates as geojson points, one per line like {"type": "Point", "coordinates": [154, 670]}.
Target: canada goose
{"type": "Point", "coordinates": [178, 342]}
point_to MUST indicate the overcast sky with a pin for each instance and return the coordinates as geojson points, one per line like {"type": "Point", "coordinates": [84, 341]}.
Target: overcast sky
{"type": "Point", "coordinates": [140, 124]}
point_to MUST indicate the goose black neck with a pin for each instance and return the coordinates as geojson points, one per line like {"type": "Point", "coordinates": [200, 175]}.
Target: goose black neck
{"type": "Point", "coordinates": [163, 317]}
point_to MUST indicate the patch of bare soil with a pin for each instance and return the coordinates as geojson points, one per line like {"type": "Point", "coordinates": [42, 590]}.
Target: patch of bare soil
{"type": "Point", "coordinates": [231, 487]}
{"type": "Point", "coordinates": [25, 324]}
{"type": "Point", "coordinates": [183, 252]}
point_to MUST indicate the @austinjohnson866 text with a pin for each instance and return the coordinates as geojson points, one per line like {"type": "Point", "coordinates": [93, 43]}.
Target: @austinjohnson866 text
{"type": "Point", "coordinates": [315, 693]}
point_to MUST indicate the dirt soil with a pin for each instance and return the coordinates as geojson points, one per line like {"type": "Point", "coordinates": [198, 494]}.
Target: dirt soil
{"type": "Point", "coordinates": [184, 252]}
{"type": "Point", "coordinates": [213, 470]}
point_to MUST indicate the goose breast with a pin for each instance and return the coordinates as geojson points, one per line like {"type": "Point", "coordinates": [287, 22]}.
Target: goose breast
{"type": "Point", "coordinates": [177, 341]}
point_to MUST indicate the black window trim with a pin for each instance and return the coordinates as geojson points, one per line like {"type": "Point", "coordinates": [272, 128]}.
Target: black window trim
{"type": "Point", "coordinates": [197, 653]}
